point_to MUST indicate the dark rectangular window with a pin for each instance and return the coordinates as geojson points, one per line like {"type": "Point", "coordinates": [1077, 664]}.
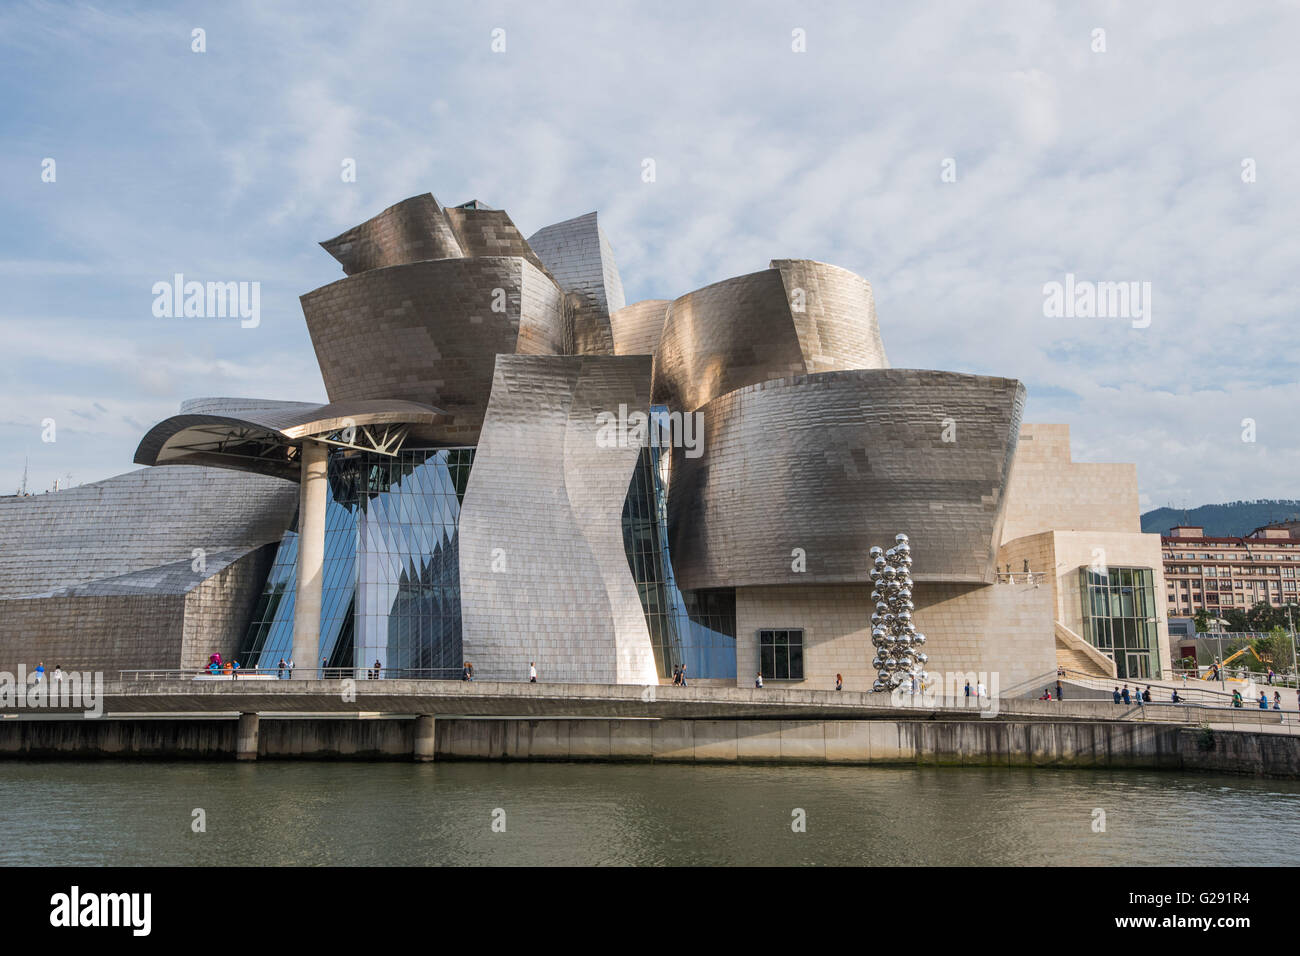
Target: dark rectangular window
{"type": "Point", "coordinates": [780, 654]}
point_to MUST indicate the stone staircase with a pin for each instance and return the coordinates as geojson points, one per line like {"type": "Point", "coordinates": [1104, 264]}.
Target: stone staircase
{"type": "Point", "coordinates": [1075, 655]}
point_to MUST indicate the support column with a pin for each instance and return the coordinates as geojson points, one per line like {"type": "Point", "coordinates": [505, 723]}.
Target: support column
{"type": "Point", "coordinates": [311, 559]}
{"type": "Point", "coordinates": [246, 737]}
{"type": "Point", "coordinates": [426, 738]}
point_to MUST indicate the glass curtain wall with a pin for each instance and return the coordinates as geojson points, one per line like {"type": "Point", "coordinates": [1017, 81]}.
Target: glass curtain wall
{"type": "Point", "coordinates": [391, 589]}
{"type": "Point", "coordinates": [697, 629]}
{"type": "Point", "coordinates": [1119, 616]}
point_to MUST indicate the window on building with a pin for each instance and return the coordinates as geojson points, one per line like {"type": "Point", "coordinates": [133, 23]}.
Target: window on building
{"type": "Point", "coordinates": [780, 654]}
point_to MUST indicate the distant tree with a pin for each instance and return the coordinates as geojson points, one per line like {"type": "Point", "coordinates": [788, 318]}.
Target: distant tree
{"type": "Point", "coordinates": [1201, 619]}
{"type": "Point", "coordinates": [1261, 617]}
{"type": "Point", "coordinates": [1236, 619]}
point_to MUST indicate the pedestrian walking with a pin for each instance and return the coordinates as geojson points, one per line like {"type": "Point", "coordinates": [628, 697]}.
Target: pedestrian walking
{"type": "Point", "coordinates": [1125, 695]}
{"type": "Point", "coordinates": [968, 689]}
{"type": "Point", "coordinates": [839, 681]}
{"type": "Point", "coordinates": [683, 675]}
{"type": "Point", "coordinates": [1116, 695]}
{"type": "Point", "coordinates": [58, 674]}
{"type": "Point", "coordinates": [40, 671]}
{"type": "Point", "coordinates": [1146, 694]}
{"type": "Point", "coordinates": [279, 671]}
{"type": "Point", "coordinates": [1277, 699]}
{"type": "Point", "coordinates": [1058, 690]}
{"type": "Point", "coordinates": [378, 668]}
{"type": "Point", "coordinates": [758, 681]}
{"type": "Point", "coordinates": [981, 690]}
{"type": "Point", "coordinates": [532, 672]}
{"type": "Point", "coordinates": [290, 668]}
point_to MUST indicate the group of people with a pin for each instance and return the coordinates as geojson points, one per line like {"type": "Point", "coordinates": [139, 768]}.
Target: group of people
{"type": "Point", "coordinates": [228, 668]}
{"type": "Point", "coordinates": [38, 675]}
{"type": "Point", "coordinates": [1137, 696]}
{"type": "Point", "coordinates": [679, 675]}
{"type": "Point", "coordinates": [1047, 691]}
{"type": "Point", "coordinates": [1239, 701]}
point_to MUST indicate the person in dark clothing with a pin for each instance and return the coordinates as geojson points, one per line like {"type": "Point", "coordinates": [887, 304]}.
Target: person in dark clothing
{"type": "Point", "coordinates": [1116, 695]}
{"type": "Point", "coordinates": [1058, 691]}
{"type": "Point", "coordinates": [1146, 694]}
{"type": "Point", "coordinates": [1124, 696]}
{"type": "Point", "coordinates": [839, 682]}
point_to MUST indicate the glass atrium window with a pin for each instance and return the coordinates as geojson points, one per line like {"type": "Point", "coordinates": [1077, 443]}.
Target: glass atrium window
{"type": "Point", "coordinates": [1120, 619]}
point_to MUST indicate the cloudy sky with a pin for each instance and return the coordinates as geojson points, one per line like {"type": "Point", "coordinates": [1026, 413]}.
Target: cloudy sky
{"type": "Point", "coordinates": [1122, 165]}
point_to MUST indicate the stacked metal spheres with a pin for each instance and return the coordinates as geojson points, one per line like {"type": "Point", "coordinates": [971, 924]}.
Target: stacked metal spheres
{"type": "Point", "coordinates": [898, 644]}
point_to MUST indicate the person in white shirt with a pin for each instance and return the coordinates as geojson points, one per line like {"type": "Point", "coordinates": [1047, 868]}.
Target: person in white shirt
{"type": "Point", "coordinates": [58, 674]}
{"type": "Point", "coordinates": [982, 690]}
{"type": "Point", "coordinates": [532, 673]}
{"type": "Point", "coordinates": [758, 681]}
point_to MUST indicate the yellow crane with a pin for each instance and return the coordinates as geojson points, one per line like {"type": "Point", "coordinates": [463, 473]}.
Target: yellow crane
{"type": "Point", "coordinates": [1232, 657]}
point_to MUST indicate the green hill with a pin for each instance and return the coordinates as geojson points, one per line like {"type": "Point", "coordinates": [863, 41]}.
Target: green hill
{"type": "Point", "coordinates": [1233, 519]}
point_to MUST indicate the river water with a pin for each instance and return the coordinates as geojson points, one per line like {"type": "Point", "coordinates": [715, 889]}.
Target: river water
{"type": "Point", "coordinates": [126, 813]}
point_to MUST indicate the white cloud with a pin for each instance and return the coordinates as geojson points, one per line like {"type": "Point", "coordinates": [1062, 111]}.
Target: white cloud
{"type": "Point", "coordinates": [1123, 165]}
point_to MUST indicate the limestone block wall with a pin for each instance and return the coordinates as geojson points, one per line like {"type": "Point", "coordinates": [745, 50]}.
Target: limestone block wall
{"type": "Point", "coordinates": [1060, 554]}
{"type": "Point", "coordinates": [1048, 491]}
{"type": "Point", "coordinates": [1075, 549]}
{"type": "Point", "coordinates": [1003, 628]}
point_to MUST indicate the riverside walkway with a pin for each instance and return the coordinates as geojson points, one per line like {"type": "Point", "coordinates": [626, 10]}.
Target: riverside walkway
{"type": "Point", "coordinates": [396, 697]}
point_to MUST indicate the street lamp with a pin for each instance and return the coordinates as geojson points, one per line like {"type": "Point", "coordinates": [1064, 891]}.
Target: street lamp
{"type": "Point", "coordinates": [1218, 623]}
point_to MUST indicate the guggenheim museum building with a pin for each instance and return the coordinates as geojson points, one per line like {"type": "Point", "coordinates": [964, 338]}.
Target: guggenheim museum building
{"type": "Point", "coordinates": [482, 486]}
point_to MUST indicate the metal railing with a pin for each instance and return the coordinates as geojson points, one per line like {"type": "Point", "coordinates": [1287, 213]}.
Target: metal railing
{"type": "Point", "coordinates": [1202, 696]}
{"type": "Point", "coordinates": [298, 673]}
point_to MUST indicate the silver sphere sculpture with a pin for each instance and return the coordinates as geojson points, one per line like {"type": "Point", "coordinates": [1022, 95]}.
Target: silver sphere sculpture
{"type": "Point", "coordinates": [898, 656]}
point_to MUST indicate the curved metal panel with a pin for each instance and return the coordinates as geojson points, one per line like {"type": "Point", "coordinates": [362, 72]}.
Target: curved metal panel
{"type": "Point", "coordinates": [255, 435]}
{"type": "Point", "coordinates": [137, 521]}
{"type": "Point", "coordinates": [723, 337]}
{"type": "Point", "coordinates": [837, 462]}
{"type": "Point", "coordinates": [544, 573]}
{"type": "Point", "coordinates": [796, 318]}
{"type": "Point", "coordinates": [410, 231]}
{"type": "Point", "coordinates": [484, 232]}
{"type": "Point", "coordinates": [834, 313]}
{"type": "Point", "coordinates": [638, 327]}
{"type": "Point", "coordinates": [430, 332]}
{"type": "Point", "coordinates": [580, 257]}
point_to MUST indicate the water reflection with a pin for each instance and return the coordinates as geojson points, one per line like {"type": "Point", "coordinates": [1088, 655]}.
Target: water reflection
{"type": "Point", "coordinates": [359, 814]}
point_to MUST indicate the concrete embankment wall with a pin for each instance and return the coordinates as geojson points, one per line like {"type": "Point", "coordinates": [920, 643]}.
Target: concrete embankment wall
{"type": "Point", "coordinates": [948, 743]}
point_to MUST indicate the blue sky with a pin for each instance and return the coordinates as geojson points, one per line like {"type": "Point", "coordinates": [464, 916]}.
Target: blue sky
{"type": "Point", "coordinates": [1122, 165]}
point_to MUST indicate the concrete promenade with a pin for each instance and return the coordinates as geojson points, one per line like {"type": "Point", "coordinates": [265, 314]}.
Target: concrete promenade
{"type": "Point", "coordinates": [452, 720]}
{"type": "Point", "coordinates": [520, 699]}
